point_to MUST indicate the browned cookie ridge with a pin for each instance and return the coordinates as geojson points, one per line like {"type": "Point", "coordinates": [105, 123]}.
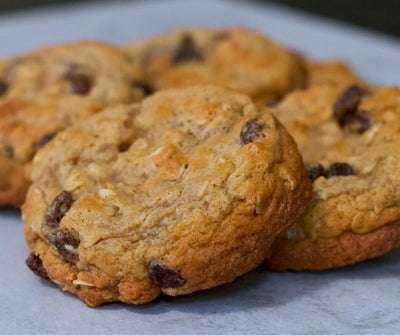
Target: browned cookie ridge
{"type": "Point", "coordinates": [180, 193]}
{"type": "Point", "coordinates": [349, 137]}
{"type": "Point", "coordinates": [237, 58]}
{"type": "Point", "coordinates": [331, 72]}
{"type": "Point", "coordinates": [48, 89]}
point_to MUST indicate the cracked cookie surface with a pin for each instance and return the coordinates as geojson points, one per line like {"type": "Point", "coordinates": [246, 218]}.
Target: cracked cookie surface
{"type": "Point", "coordinates": [349, 138]}
{"type": "Point", "coordinates": [236, 58]}
{"type": "Point", "coordinates": [48, 89]}
{"type": "Point", "coordinates": [180, 193]}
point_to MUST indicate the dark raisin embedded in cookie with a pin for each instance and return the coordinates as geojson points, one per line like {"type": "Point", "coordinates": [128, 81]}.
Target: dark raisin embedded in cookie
{"type": "Point", "coordinates": [66, 244]}
{"type": "Point", "coordinates": [7, 151]}
{"type": "Point", "coordinates": [347, 103]}
{"type": "Point", "coordinates": [44, 140]}
{"type": "Point", "coordinates": [3, 88]}
{"type": "Point", "coordinates": [251, 131]}
{"type": "Point", "coordinates": [187, 51]}
{"type": "Point", "coordinates": [80, 82]}
{"type": "Point", "coordinates": [340, 169]}
{"type": "Point", "coordinates": [314, 170]}
{"type": "Point", "coordinates": [35, 264]}
{"type": "Point", "coordinates": [358, 122]}
{"type": "Point", "coordinates": [57, 209]}
{"type": "Point", "coordinates": [143, 86]}
{"type": "Point", "coordinates": [164, 277]}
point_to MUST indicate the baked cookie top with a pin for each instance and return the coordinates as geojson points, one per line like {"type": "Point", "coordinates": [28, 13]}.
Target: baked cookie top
{"type": "Point", "coordinates": [236, 58]}
{"type": "Point", "coordinates": [49, 89]}
{"type": "Point", "coordinates": [349, 137]}
{"type": "Point", "coordinates": [182, 192]}
{"type": "Point", "coordinates": [332, 72]}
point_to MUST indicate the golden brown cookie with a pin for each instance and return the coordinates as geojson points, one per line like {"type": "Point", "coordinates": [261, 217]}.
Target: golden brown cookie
{"type": "Point", "coordinates": [237, 58]}
{"type": "Point", "coordinates": [180, 193]}
{"type": "Point", "coordinates": [49, 89]}
{"type": "Point", "coordinates": [349, 137]}
{"type": "Point", "coordinates": [333, 72]}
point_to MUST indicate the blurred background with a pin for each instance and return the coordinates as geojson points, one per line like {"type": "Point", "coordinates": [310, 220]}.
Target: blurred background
{"type": "Point", "coordinates": [379, 15]}
{"type": "Point", "coordinates": [364, 33]}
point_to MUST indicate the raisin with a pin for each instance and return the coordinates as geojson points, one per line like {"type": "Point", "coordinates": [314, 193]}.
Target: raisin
{"type": "Point", "coordinates": [346, 104]}
{"type": "Point", "coordinates": [359, 122]}
{"type": "Point", "coordinates": [143, 86]}
{"type": "Point", "coordinates": [164, 277]}
{"type": "Point", "coordinates": [44, 140]}
{"type": "Point", "coordinates": [35, 264]}
{"type": "Point", "coordinates": [340, 169]}
{"type": "Point", "coordinates": [314, 170]}
{"type": "Point", "coordinates": [80, 83]}
{"type": "Point", "coordinates": [66, 244]}
{"type": "Point", "coordinates": [251, 131]}
{"type": "Point", "coordinates": [3, 88]}
{"type": "Point", "coordinates": [57, 209]}
{"type": "Point", "coordinates": [187, 51]}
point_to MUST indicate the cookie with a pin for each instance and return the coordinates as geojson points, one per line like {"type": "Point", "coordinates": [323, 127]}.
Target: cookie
{"type": "Point", "coordinates": [349, 137]}
{"type": "Point", "coordinates": [180, 193]}
{"type": "Point", "coordinates": [237, 58]}
{"type": "Point", "coordinates": [49, 89]}
{"type": "Point", "coordinates": [333, 72]}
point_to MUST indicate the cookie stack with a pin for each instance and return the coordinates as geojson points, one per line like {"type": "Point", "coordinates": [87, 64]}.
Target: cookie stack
{"type": "Point", "coordinates": [166, 166]}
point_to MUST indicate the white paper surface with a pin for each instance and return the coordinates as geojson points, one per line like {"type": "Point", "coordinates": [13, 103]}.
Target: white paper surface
{"type": "Point", "coordinates": [362, 299]}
